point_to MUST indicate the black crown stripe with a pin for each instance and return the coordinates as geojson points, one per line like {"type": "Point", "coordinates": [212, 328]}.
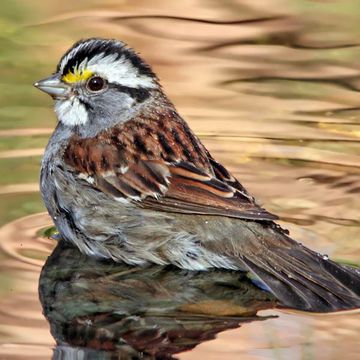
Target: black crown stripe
{"type": "Point", "coordinates": [93, 47]}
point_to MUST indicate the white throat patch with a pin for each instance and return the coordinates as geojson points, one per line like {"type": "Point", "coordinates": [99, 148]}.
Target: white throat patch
{"type": "Point", "coordinates": [71, 112]}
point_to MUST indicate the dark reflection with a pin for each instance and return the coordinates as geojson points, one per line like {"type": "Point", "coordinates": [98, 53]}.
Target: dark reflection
{"type": "Point", "coordinates": [106, 310]}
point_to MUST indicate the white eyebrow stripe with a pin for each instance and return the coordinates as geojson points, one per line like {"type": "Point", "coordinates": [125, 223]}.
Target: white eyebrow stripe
{"type": "Point", "coordinates": [114, 69]}
{"type": "Point", "coordinates": [119, 70]}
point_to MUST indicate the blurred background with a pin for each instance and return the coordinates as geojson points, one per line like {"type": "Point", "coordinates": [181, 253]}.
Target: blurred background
{"type": "Point", "coordinates": [272, 89]}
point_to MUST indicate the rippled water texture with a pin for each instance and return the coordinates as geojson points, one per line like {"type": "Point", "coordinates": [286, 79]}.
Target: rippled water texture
{"type": "Point", "coordinates": [271, 87]}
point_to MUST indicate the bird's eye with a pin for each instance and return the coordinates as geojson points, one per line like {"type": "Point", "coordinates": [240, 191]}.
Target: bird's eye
{"type": "Point", "coordinates": [96, 83]}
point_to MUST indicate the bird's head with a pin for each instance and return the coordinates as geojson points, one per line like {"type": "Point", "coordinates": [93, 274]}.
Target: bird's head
{"type": "Point", "coordinates": [99, 82]}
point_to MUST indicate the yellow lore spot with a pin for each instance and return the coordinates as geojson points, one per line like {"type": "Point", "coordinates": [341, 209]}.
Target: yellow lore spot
{"type": "Point", "coordinates": [77, 76]}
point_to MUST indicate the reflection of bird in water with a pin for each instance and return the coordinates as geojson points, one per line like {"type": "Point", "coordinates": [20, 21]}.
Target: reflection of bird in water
{"type": "Point", "coordinates": [123, 311]}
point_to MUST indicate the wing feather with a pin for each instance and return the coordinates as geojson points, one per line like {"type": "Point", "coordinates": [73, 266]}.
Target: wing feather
{"type": "Point", "coordinates": [184, 180]}
{"type": "Point", "coordinates": [169, 187]}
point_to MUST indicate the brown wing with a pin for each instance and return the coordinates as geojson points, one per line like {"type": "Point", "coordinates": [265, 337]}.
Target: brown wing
{"type": "Point", "coordinates": [193, 191]}
{"type": "Point", "coordinates": [161, 166]}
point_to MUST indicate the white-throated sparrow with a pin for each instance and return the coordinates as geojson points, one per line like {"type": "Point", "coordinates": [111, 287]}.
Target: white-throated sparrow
{"type": "Point", "coordinates": [124, 177]}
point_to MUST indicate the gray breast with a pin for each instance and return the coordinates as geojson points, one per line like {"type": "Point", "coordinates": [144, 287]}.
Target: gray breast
{"type": "Point", "coordinates": [103, 226]}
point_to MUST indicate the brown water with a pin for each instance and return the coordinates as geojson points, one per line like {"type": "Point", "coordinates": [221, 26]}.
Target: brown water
{"type": "Point", "coordinates": [270, 86]}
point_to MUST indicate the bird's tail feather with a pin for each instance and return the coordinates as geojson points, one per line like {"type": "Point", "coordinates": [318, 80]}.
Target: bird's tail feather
{"type": "Point", "coordinates": [301, 278]}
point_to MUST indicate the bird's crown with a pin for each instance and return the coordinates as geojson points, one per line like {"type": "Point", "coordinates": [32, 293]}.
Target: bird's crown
{"type": "Point", "coordinates": [111, 59]}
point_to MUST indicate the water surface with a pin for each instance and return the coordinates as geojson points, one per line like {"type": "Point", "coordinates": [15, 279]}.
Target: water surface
{"type": "Point", "coordinates": [270, 87]}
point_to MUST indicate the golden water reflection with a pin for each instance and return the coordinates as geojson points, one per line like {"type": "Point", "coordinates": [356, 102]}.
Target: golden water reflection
{"type": "Point", "coordinates": [272, 90]}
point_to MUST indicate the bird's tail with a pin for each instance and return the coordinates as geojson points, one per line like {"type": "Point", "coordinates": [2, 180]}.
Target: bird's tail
{"type": "Point", "coordinates": [299, 277]}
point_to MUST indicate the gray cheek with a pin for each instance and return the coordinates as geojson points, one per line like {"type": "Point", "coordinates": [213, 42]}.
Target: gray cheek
{"type": "Point", "coordinates": [113, 102]}
{"type": "Point", "coordinates": [106, 110]}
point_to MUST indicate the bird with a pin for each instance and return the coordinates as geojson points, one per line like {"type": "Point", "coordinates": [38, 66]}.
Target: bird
{"type": "Point", "coordinates": [123, 177]}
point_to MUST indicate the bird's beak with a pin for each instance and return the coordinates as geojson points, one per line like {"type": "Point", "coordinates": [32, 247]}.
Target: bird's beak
{"type": "Point", "coordinates": [54, 87]}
